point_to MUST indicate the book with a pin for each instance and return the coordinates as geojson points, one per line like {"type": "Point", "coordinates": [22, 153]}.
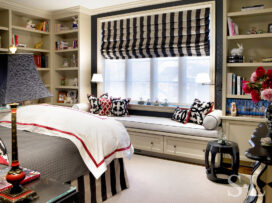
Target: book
{"type": "Point", "coordinates": [234, 88]}
{"type": "Point", "coordinates": [229, 83]}
{"type": "Point", "coordinates": [238, 85]}
{"type": "Point", "coordinates": [255, 7]}
{"type": "Point", "coordinates": [230, 26]}
{"type": "Point", "coordinates": [29, 176]}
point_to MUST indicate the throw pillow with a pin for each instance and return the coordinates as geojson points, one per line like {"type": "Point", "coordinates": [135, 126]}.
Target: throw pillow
{"type": "Point", "coordinates": [3, 154]}
{"type": "Point", "coordinates": [105, 106]}
{"type": "Point", "coordinates": [119, 107]}
{"type": "Point", "coordinates": [181, 115]}
{"type": "Point", "coordinates": [199, 110]}
{"type": "Point", "coordinates": [94, 104]}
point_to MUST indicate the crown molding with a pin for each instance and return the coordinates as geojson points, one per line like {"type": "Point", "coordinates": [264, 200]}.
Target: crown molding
{"type": "Point", "coordinates": [10, 4]}
{"type": "Point", "coordinates": [135, 4]}
{"type": "Point", "coordinates": [70, 12]}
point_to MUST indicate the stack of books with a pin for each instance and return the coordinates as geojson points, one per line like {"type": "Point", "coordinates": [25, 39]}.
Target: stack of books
{"type": "Point", "coordinates": [232, 28]}
{"type": "Point", "coordinates": [41, 61]}
{"type": "Point", "coordinates": [247, 107]}
{"type": "Point", "coordinates": [75, 44]}
{"type": "Point", "coordinates": [43, 26]}
{"type": "Point", "coordinates": [61, 45]}
{"type": "Point", "coordinates": [234, 84]}
{"type": "Point", "coordinates": [14, 40]}
{"type": "Point", "coordinates": [60, 27]}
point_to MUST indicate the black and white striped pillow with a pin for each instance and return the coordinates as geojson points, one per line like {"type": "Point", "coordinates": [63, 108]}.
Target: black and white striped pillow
{"type": "Point", "coordinates": [181, 115]}
{"type": "Point", "coordinates": [199, 110]}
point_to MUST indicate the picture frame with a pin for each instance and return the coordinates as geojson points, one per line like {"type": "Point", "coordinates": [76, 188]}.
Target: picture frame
{"type": "Point", "coordinates": [269, 29]}
{"type": "Point", "coordinates": [62, 97]}
{"type": "Point", "coordinates": [72, 95]}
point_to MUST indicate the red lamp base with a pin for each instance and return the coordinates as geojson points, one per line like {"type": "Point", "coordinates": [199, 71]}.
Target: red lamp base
{"type": "Point", "coordinates": [6, 196]}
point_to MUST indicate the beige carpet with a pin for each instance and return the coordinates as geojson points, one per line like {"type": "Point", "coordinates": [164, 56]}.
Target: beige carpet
{"type": "Point", "coordinates": [154, 180]}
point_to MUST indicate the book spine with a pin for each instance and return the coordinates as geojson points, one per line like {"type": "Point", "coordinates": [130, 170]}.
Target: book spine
{"type": "Point", "coordinates": [238, 85]}
{"type": "Point", "coordinates": [229, 84]}
{"type": "Point", "coordinates": [234, 84]}
{"type": "Point", "coordinates": [229, 26]}
{"type": "Point", "coordinates": [232, 29]}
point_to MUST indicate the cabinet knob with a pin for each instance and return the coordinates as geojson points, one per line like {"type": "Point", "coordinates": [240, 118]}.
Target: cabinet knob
{"type": "Point", "coordinates": [175, 146]}
{"type": "Point", "coordinates": [151, 143]}
{"type": "Point", "coordinates": [204, 150]}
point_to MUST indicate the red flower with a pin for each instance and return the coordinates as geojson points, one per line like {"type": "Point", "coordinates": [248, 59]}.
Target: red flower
{"type": "Point", "coordinates": [267, 84]}
{"type": "Point", "coordinates": [246, 87]}
{"type": "Point", "coordinates": [269, 73]}
{"type": "Point", "coordinates": [260, 71]}
{"type": "Point", "coordinates": [255, 95]}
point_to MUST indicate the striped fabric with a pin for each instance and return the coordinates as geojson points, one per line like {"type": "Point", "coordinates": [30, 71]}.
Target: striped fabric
{"type": "Point", "coordinates": [113, 181]}
{"type": "Point", "coordinates": [182, 33]}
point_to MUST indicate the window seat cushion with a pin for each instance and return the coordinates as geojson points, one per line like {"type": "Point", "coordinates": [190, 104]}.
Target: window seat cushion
{"type": "Point", "coordinates": [166, 125]}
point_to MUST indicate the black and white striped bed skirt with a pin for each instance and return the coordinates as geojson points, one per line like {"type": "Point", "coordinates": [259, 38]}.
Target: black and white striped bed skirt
{"type": "Point", "coordinates": [113, 181]}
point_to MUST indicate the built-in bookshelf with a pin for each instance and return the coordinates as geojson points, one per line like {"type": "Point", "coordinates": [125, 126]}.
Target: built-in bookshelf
{"type": "Point", "coordinates": [71, 59]}
{"type": "Point", "coordinates": [4, 30]}
{"type": "Point", "coordinates": [256, 44]}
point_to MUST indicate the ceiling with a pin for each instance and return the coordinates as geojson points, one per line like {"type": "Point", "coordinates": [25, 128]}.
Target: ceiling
{"type": "Point", "coordinates": [52, 5]}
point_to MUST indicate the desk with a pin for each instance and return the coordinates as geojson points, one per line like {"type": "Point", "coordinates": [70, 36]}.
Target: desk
{"type": "Point", "coordinates": [260, 188]}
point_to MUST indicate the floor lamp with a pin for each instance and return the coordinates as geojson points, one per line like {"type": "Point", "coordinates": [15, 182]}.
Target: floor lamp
{"type": "Point", "coordinates": [19, 81]}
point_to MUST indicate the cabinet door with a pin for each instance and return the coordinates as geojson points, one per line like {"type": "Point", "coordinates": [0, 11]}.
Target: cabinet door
{"type": "Point", "coordinates": [147, 142]}
{"type": "Point", "coordinates": [240, 132]}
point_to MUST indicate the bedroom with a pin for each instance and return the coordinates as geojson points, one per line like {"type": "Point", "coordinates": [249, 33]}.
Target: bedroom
{"type": "Point", "coordinates": [124, 44]}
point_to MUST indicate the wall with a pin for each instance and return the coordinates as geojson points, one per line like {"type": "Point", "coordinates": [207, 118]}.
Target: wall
{"type": "Point", "coordinates": [219, 40]}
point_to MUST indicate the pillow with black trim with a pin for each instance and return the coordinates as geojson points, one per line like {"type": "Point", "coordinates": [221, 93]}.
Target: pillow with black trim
{"type": "Point", "coordinates": [3, 154]}
{"type": "Point", "coordinates": [119, 107]}
{"type": "Point", "coordinates": [182, 115]}
{"type": "Point", "coordinates": [94, 103]}
{"type": "Point", "coordinates": [199, 110]}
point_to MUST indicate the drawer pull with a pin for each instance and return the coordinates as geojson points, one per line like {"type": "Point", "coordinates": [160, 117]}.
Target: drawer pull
{"type": "Point", "coordinates": [175, 146]}
{"type": "Point", "coordinates": [151, 143]}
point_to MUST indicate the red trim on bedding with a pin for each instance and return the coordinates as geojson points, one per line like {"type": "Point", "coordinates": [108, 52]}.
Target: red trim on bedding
{"type": "Point", "coordinates": [72, 134]}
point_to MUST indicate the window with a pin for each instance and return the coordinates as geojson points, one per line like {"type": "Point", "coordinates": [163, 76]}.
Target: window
{"type": "Point", "coordinates": [171, 78]}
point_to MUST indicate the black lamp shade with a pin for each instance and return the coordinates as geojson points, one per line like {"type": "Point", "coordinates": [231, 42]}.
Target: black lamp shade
{"type": "Point", "coordinates": [19, 79]}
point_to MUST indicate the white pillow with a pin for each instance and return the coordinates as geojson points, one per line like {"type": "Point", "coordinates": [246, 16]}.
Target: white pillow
{"type": "Point", "coordinates": [212, 120]}
{"type": "Point", "coordinates": [82, 106]}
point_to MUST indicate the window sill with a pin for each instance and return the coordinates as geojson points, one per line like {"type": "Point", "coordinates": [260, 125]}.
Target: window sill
{"type": "Point", "coordinates": [160, 108]}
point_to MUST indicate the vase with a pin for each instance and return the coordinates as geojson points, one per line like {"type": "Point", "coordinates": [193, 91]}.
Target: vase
{"type": "Point", "coordinates": [268, 115]}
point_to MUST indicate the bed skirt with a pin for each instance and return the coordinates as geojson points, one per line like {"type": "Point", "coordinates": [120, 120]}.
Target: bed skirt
{"type": "Point", "coordinates": [111, 182]}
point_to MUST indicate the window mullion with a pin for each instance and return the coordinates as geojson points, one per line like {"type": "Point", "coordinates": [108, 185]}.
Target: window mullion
{"type": "Point", "coordinates": [127, 78]}
{"type": "Point", "coordinates": [152, 80]}
{"type": "Point", "coordinates": [180, 81]}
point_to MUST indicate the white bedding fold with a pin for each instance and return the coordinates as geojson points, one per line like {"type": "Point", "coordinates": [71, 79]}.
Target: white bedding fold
{"type": "Point", "coordinates": [98, 139]}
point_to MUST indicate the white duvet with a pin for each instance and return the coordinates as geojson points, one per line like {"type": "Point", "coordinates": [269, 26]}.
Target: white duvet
{"type": "Point", "coordinates": [98, 139]}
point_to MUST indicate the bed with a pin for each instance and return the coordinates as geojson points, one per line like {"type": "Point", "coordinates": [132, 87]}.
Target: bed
{"type": "Point", "coordinates": [72, 146]}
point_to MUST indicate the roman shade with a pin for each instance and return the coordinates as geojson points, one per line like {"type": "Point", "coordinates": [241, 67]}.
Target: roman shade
{"type": "Point", "coordinates": [182, 33]}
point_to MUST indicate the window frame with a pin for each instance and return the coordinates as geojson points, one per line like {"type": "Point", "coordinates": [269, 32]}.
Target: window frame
{"type": "Point", "coordinates": [210, 4]}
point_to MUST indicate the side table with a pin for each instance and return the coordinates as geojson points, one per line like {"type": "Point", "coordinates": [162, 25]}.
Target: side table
{"type": "Point", "coordinates": [50, 191]}
{"type": "Point", "coordinates": [260, 188]}
{"type": "Point", "coordinates": [230, 148]}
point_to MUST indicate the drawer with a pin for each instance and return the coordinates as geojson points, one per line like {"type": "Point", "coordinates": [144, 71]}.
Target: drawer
{"type": "Point", "coordinates": [147, 142]}
{"type": "Point", "coordinates": [187, 148]}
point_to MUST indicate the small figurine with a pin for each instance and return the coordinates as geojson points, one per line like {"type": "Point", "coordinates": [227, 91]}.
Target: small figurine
{"type": "Point", "coordinates": [68, 100]}
{"type": "Point", "coordinates": [75, 23]}
{"type": "Point", "coordinates": [237, 51]}
{"type": "Point", "coordinates": [141, 102]}
{"type": "Point", "coordinates": [74, 61]}
{"type": "Point", "coordinates": [156, 103]}
{"type": "Point", "coordinates": [30, 25]}
{"type": "Point", "coordinates": [148, 102]}
{"type": "Point", "coordinates": [65, 62]}
{"type": "Point", "coordinates": [38, 45]}
{"type": "Point", "coordinates": [233, 110]}
{"type": "Point", "coordinates": [62, 81]}
{"type": "Point", "coordinates": [75, 81]}
{"type": "Point", "coordinates": [165, 102]}
{"type": "Point", "coordinates": [253, 30]}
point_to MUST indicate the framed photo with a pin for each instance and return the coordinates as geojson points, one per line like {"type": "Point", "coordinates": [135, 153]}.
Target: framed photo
{"type": "Point", "coordinates": [62, 97]}
{"type": "Point", "coordinates": [72, 95]}
{"type": "Point", "coordinates": [269, 28]}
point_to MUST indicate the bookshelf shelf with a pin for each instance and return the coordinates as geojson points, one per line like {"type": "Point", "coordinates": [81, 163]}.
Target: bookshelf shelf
{"type": "Point", "coordinates": [252, 12]}
{"type": "Point", "coordinates": [67, 69]}
{"type": "Point", "coordinates": [65, 32]}
{"type": "Point", "coordinates": [43, 69]}
{"type": "Point", "coordinates": [67, 87]}
{"type": "Point", "coordinates": [245, 65]}
{"type": "Point", "coordinates": [29, 30]}
{"type": "Point", "coordinates": [238, 96]}
{"type": "Point", "coordinates": [33, 50]}
{"type": "Point", "coordinates": [4, 49]}
{"type": "Point", "coordinates": [252, 36]}
{"type": "Point", "coordinates": [66, 50]}
{"type": "Point", "coordinates": [4, 28]}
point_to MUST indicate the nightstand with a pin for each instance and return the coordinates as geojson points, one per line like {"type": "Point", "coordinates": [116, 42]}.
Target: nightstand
{"type": "Point", "coordinates": [50, 191]}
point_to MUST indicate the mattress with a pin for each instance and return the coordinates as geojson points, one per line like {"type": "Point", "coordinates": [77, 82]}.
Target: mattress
{"type": "Point", "coordinates": [54, 157]}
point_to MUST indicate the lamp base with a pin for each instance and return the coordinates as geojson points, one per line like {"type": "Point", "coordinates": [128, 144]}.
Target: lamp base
{"type": "Point", "coordinates": [6, 196]}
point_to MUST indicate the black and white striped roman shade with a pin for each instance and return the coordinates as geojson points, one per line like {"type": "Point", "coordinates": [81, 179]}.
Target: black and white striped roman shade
{"type": "Point", "coordinates": [182, 33]}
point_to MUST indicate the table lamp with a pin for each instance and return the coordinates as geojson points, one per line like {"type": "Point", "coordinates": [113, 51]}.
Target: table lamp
{"type": "Point", "coordinates": [19, 81]}
{"type": "Point", "coordinates": [96, 78]}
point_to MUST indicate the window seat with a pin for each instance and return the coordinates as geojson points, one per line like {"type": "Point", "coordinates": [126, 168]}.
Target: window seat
{"type": "Point", "coordinates": [163, 137]}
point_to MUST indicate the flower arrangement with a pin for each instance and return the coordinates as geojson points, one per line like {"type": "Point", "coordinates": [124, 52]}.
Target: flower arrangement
{"type": "Point", "coordinates": [260, 85]}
